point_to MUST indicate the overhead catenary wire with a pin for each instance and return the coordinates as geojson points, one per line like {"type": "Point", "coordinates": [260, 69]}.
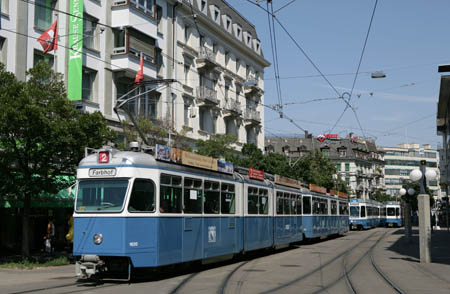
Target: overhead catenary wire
{"type": "Point", "coordinates": [357, 71]}
{"type": "Point", "coordinates": [273, 43]}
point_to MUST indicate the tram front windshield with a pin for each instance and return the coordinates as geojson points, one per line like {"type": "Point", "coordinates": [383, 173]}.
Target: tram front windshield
{"type": "Point", "coordinates": [354, 211]}
{"type": "Point", "coordinates": [101, 195]}
{"type": "Point", "coordinates": [391, 211]}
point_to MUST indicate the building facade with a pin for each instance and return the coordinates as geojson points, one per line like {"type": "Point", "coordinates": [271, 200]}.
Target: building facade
{"type": "Point", "coordinates": [358, 162]}
{"type": "Point", "coordinates": [401, 160]}
{"type": "Point", "coordinates": [211, 51]}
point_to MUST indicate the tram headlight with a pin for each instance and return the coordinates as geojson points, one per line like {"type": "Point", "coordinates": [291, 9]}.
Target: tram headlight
{"type": "Point", "coordinates": [98, 239]}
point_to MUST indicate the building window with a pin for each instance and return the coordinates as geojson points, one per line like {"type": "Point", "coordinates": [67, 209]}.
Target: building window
{"type": "Point", "coordinates": [137, 43]}
{"type": "Point", "coordinates": [342, 152]}
{"type": "Point", "coordinates": [238, 64]}
{"type": "Point", "coordinates": [325, 152]}
{"type": "Point", "coordinates": [248, 39]}
{"type": "Point", "coordinates": [3, 50]}
{"type": "Point", "coordinates": [338, 166]}
{"type": "Point", "coordinates": [202, 6]}
{"type": "Point", "coordinates": [347, 180]}
{"type": "Point", "coordinates": [5, 6]}
{"type": "Point", "coordinates": [347, 167]}
{"type": "Point", "coordinates": [38, 56]}
{"type": "Point", "coordinates": [227, 23]}
{"type": "Point", "coordinates": [257, 46]}
{"type": "Point", "coordinates": [89, 32]}
{"type": "Point", "coordinates": [43, 13]}
{"type": "Point", "coordinates": [159, 14]}
{"type": "Point", "coordinates": [238, 92]}
{"type": "Point", "coordinates": [237, 31]}
{"type": "Point", "coordinates": [187, 34]}
{"type": "Point", "coordinates": [143, 5]}
{"type": "Point", "coordinates": [227, 58]}
{"type": "Point", "coordinates": [215, 13]}
{"type": "Point", "coordinates": [187, 69]}
{"type": "Point", "coordinates": [88, 82]}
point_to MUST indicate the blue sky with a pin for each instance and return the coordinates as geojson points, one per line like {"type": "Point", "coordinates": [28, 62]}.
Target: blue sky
{"type": "Point", "coordinates": [408, 40]}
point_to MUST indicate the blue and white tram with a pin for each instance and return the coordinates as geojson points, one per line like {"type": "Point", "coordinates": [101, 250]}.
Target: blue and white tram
{"type": "Point", "coordinates": [363, 214]}
{"type": "Point", "coordinates": [134, 211]}
{"type": "Point", "coordinates": [382, 214]}
{"type": "Point", "coordinates": [393, 214]}
{"type": "Point", "coordinates": [324, 215]}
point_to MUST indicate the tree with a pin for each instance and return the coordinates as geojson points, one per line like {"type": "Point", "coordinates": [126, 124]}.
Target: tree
{"type": "Point", "coordinates": [218, 146]}
{"type": "Point", "coordinates": [317, 169]}
{"type": "Point", "coordinates": [380, 196]}
{"type": "Point", "coordinates": [42, 137]}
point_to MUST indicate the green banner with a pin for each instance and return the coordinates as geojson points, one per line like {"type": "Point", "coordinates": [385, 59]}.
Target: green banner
{"type": "Point", "coordinates": [75, 64]}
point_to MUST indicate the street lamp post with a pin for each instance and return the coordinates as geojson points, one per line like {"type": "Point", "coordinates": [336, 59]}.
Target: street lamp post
{"type": "Point", "coordinates": [424, 210]}
{"type": "Point", "coordinates": [407, 213]}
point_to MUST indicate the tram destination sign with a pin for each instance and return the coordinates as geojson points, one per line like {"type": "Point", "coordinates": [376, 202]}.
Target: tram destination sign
{"type": "Point", "coordinates": [256, 174]}
{"type": "Point", "coordinates": [102, 172]}
{"type": "Point", "coordinates": [285, 181]}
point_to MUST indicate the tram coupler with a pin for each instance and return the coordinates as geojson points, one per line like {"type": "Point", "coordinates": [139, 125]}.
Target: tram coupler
{"type": "Point", "coordinates": [89, 265]}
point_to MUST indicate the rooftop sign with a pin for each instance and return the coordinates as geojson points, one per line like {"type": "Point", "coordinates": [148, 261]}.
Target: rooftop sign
{"type": "Point", "coordinates": [256, 174]}
{"type": "Point", "coordinates": [285, 181]}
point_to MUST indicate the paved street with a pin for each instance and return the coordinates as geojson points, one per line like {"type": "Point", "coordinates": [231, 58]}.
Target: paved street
{"type": "Point", "coordinates": [354, 263]}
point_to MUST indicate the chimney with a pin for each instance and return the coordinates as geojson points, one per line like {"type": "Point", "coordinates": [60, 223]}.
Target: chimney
{"type": "Point", "coordinates": [350, 135]}
{"type": "Point", "coordinates": [306, 134]}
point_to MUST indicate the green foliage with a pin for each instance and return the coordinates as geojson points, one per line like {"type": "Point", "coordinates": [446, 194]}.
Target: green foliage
{"type": "Point", "coordinates": [315, 168]}
{"type": "Point", "coordinates": [380, 196]}
{"type": "Point", "coordinates": [31, 263]}
{"type": "Point", "coordinates": [218, 146]}
{"type": "Point", "coordinates": [42, 136]}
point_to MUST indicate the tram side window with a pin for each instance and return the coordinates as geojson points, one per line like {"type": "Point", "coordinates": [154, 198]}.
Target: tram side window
{"type": "Point", "coordinates": [343, 208]}
{"type": "Point", "coordinates": [192, 195]}
{"type": "Point", "coordinates": [142, 197]}
{"type": "Point", "coordinates": [212, 197]}
{"type": "Point", "coordinates": [253, 201]}
{"type": "Point", "coordinates": [397, 211]}
{"type": "Point", "coordinates": [363, 211]}
{"type": "Point", "coordinates": [170, 194]}
{"type": "Point", "coordinates": [292, 204]}
{"type": "Point", "coordinates": [263, 201]}
{"type": "Point", "coordinates": [306, 205]}
{"type": "Point", "coordinates": [228, 197]}
{"type": "Point", "coordinates": [299, 204]}
{"type": "Point", "coordinates": [333, 207]}
{"type": "Point", "coordinates": [316, 205]}
{"type": "Point", "coordinates": [286, 201]}
{"type": "Point", "coordinates": [280, 203]}
{"type": "Point", "coordinates": [324, 206]}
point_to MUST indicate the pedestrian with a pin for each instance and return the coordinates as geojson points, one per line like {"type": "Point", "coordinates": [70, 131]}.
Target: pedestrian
{"type": "Point", "coordinates": [49, 237]}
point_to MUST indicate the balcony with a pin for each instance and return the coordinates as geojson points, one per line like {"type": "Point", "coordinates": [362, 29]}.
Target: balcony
{"type": "Point", "coordinates": [251, 116]}
{"type": "Point", "coordinates": [133, 14]}
{"type": "Point", "coordinates": [206, 59]}
{"type": "Point", "coordinates": [207, 96]}
{"type": "Point", "coordinates": [232, 108]}
{"type": "Point", "coordinates": [251, 87]}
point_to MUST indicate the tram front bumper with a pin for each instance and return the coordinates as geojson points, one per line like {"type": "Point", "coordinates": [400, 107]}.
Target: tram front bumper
{"type": "Point", "coordinates": [88, 265]}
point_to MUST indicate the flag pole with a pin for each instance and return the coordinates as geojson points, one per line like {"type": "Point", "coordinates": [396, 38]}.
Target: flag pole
{"type": "Point", "coordinates": [55, 54]}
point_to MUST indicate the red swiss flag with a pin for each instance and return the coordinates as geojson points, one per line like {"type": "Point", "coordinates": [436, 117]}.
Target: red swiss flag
{"type": "Point", "coordinates": [140, 74]}
{"type": "Point", "coordinates": [49, 39]}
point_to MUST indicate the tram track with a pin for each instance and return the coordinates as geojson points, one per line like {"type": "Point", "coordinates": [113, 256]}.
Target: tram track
{"type": "Point", "coordinates": [307, 275]}
{"type": "Point", "coordinates": [346, 272]}
{"type": "Point", "coordinates": [51, 289]}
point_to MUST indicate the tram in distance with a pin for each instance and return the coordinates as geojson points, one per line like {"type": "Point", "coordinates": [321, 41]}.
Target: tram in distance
{"type": "Point", "coordinates": [367, 214]}
{"type": "Point", "coordinates": [134, 211]}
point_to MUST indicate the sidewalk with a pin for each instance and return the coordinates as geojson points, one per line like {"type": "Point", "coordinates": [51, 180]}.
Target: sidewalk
{"type": "Point", "coordinates": [400, 260]}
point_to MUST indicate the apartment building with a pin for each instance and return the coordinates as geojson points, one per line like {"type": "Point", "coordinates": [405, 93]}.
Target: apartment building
{"type": "Point", "coordinates": [401, 160]}
{"type": "Point", "coordinates": [210, 49]}
{"type": "Point", "coordinates": [358, 162]}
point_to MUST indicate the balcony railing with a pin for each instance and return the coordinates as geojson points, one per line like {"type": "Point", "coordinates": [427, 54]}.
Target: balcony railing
{"type": "Point", "coordinates": [206, 58]}
{"type": "Point", "coordinates": [252, 115]}
{"type": "Point", "coordinates": [233, 106]}
{"type": "Point", "coordinates": [207, 95]}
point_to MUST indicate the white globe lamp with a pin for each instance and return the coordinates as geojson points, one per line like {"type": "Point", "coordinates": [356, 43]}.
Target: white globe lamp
{"type": "Point", "coordinates": [411, 191]}
{"type": "Point", "coordinates": [430, 174]}
{"type": "Point", "coordinates": [415, 175]}
{"type": "Point", "coordinates": [402, 191]}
